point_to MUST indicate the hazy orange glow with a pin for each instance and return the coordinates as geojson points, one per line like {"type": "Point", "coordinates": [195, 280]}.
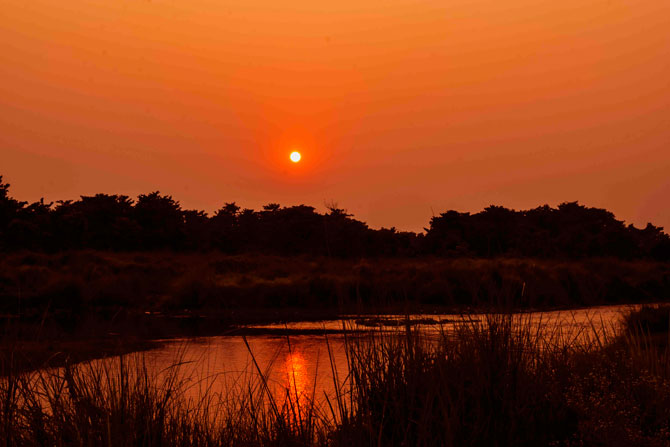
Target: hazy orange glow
{"type": "Point", "coordinates": [415, 107]}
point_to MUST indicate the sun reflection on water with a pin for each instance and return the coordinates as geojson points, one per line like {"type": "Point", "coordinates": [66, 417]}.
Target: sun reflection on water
{"type": "Point", "coordinates": [294, 371]}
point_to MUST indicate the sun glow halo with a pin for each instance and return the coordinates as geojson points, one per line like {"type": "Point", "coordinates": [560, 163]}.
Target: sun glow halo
{"type": "Point", "coordinates": [295, 156]}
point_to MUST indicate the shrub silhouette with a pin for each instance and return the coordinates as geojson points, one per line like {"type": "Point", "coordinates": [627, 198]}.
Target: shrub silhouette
{"type": "Point", "coordinates": [158, 222]}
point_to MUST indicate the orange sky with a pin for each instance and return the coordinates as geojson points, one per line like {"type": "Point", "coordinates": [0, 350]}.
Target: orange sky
{"type": "Point", "coordinates": [397, 106]}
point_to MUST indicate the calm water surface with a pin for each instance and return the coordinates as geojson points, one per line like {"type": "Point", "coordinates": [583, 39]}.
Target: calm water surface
{"type": "Point", "coordinates": [311, 367]}
{"type": "Point", "coordinates": [300, 365]}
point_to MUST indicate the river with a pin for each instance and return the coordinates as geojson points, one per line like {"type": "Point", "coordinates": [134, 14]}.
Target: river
{"type": "Point", "coordinates": [298, 366]}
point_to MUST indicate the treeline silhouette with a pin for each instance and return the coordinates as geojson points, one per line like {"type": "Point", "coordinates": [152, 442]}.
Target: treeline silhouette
{"type": "Point", "coordinates": [158, 222]}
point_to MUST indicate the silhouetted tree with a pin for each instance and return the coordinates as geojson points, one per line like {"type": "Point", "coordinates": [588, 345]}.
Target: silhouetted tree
{"type": "Point", "coordinates": [291, 230]}
{"type": "Point", "coordinates": [9, 208]}
{"type": "Point", "coordinates": [447, 235]}
{"type": "Point", "coordinates": [224, 229]}
{"type": "Point", "coordinates": [30, 226]}
{"type": "Point", "coordinates": [197, 230]}
{"type": "Point", "coordinates": [155, 222]}
{"type": "Point", "coordinates": [271, 207]}
{"type": "Point", "coordinates": [346, 237]}
{"type": "Point", "coordinates": [161, 221]}
{"type": "Point", "coordinates": [109, 221]}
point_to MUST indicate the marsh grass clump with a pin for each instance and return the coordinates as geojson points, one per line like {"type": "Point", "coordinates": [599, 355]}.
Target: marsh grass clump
{"type": "Point", "coordinates": [500, 380]}
{"type": "Point", "coordinates": [124, 402]}
{"type": "Point", "coordinates": [67, 287]}
{"type": "Point", "coordinates": [485, 384]}
{"type": "Point", "coordinates": [506, 381]}
{"type": "Point", "coordinates": [652, 319]}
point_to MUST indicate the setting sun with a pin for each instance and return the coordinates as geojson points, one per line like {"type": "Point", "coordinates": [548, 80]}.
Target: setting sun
{"type": "Point", "coordinates": [295, 156]}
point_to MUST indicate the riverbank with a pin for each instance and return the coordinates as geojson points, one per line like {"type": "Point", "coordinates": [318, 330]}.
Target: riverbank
{"type": "Point", "coordinates": [74, 284]}
{"type": "Point", "coordinates": [76, 303]}
{"type": "Point", "coordinates": [497, 382]}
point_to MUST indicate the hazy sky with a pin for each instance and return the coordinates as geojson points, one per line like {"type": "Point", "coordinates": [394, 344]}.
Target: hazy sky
{"type": "Point", "coordinates": [400, 108]}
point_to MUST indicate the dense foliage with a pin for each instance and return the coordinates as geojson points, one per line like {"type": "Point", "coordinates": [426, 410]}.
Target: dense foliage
{"type": "Point", "coordinates": [158, 222]}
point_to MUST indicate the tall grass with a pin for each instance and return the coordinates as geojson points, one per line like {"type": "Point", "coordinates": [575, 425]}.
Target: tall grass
{"type": "Point", "coordinates": [504, 381]}
{"type": "Point", "coordinates": [653, 319]}
{"type": "Point", "coordinates": [497, 382]}
{"type": "Point", "coordinates": [63, 290]}
{"type": "Point", "coordinates": [126, 403]}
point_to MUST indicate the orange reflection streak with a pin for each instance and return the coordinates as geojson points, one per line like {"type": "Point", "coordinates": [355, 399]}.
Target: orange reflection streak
{"type": "Point", "coordinates": [295, 373]}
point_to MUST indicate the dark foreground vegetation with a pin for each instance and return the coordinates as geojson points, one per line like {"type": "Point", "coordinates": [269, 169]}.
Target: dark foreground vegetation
{"type": "Point", "coordinates": [106, 267]}
{"type": "Point", "coordinates": [498, 382]}
{"type": "Point", "coordinates": [152, 294]}
{"type": "Point", "coordinates": [158, 222]}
